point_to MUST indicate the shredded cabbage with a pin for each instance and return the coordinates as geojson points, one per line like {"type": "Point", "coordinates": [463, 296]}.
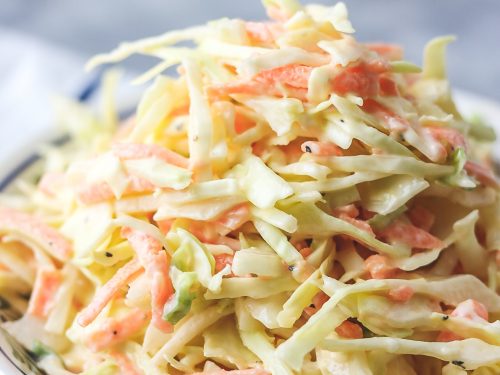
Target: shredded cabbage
{"type": "Point", "coordinates": [292, 201]}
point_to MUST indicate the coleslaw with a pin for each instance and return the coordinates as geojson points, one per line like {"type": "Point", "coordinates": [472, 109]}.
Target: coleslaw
{"type": "Point", "coordinates": [292, 202]}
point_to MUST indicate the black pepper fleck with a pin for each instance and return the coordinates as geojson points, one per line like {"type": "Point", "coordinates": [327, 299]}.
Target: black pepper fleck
{"type": "Point", "coordinates": [308, 149]}
{"type": "Point", "coordinates": [459, 364]}
{"type": "Point", "coordinates": [342, 120]}
{"type": "Point", "coordinates": [312, 305]}
{"type": "Point", "coordinates": [446, 317]}
{"type": "Point", "coordinates": [115, 332]}
{"type": "Point", "coordinates": [108, 254]}
{"type": "Point", "coordinates": [291, 268]}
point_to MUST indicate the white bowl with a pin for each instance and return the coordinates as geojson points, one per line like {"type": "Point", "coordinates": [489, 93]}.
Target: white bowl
{"type": "Point", "coordinates": [13, 358]}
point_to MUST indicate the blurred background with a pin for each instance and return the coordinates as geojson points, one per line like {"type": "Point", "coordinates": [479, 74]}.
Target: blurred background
{"type": "Point", "coordinates": [44, 44]}
{"type": "Point", "coordinates": [92, 26]}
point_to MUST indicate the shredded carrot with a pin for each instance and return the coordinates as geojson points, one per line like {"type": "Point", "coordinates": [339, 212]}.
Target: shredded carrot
{"type": "Point", "coordinates": [223, 260]}
{"type": "Point", "coordinates": [379, 267]}
{"type": "Point", "coordinates": [391, 52]}
{"type": "Point", "coordinates": [233, 218]}
{"type": "Point", "coordinates": [349, 330]}
{"type": "Point", "coordinates": [299, 244]}
{"type": "Point", "coordinates": [179, 111]}
{"type": "Point", "coordinates": [48, 237]}
{"type": "Point", "coordinates": [205, 232]}
{"type": "Point", "coordinates": [421, 217]}
{"type": "Point", "coordinates": [349, 210]}
{"type": "Point", "coordinates": [95, 193]}
{"type": "Point", "coordinates": [291, 80]}
{"type": "Point", "coordinates": [321, 148]}
{"type": "Point", "coordinates": [50, 182]}
{"type": "Point", "coordinates": [232, 243]}
{"type": "Point", "coordinates": [387, 87]}
{"type": "Point", "coordinates": [400, 232]}
{"type": "Point", "coordinates": [210, 232]}
{"type": "Point", "coordinates": [469, 309]}
{"type": "Point", "coordinates": [361, 79]}
{"type": "Point", "coordinates": [360, 224]}
{"type": "Point", "coordinates": [293, 75]}
{"type": "Point", "coordinates": [253, 371]}
{"type": "Point", "coordinates": [448, 137]}
{"type": "Point", "coordinates": [242, 123]}
{"type": "Point", "coordinates": [112, 331]}
{"type": "Point", "coordinates": [101, 191]}
{"type": "Point", "coordinates": [165, 225]}
{"type": "Point", "coordinates": [482, 174]}
{"type": "Point", "coordinates": [108, 291]}
{"type": "Point", "coordinates": [393, 122]}
{"type": "Point", "coordinates": [125, 364]}
{"type": "Point", "coordinates": [350, 213]}
{"type": "Point", "coordinates": [155, 261]}
{"type": "Point", "coordinates": [306, 251]}
{"type": "Point", "coordinates": [263, 32]}
{"type": "Point", "coordinates": [320, 299]}
{"type": "Point", "coordinates": [128, 151]}
{"type": "Point", "coordinates": [44, 291]}
{"type": "Point", "coordinates": [401, 294]}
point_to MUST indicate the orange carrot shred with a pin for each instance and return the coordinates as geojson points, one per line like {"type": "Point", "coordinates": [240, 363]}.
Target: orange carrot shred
{"type": "Point", "coordinates": [108, 291]}
{"type": "Point", "coordinates": [379, 267]}
{"type": "Point", "coordinates": [349, 330]}
{"type": "Point", "coordinates": [112, 331]}
{"type": "Point", "coordinates": [42, 298]}
{"type": "Point", "coordinates": [155, 261]}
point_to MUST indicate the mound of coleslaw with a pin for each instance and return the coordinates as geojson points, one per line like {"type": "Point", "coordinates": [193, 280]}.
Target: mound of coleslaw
{"type": "Point", "coordinates": [292, 202]}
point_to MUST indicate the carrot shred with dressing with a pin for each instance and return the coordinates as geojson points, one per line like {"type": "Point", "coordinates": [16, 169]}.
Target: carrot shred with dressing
{"type": "Point", "coordinates": [12, 220]}
{"type": "Point", "coordinates": [321, 148]}
{"type": "Point", "coordinates": [233, 218]}
{"type": "Point", "coordinates": [155, 262]}
{"type": "Point", "coordinates": [379, 267]}
{"type": "Point", "coordinates": [112, 331]}
{"type": "Point", "coordinates": [391, 52]}
{"type": "Point", "coordinates": [108, 291]}
{"type": "Point", "coordinates": [401, 294]}
{"type": "Point", "coordinates": [421, 217]}
{"type": "Point", "coordinates": [349, 330]}
{"type": "Point", "coordinates": [263, 32]}
{"type": "Point", "coordinates": [484, 175]}
{"type": "Point", "coordinates": [101, 191]}
{"type": "Point", "coordinates": [128, 151]}
{"type": "Point", "coordinates": [290, 79]}
{"type": "Point", "coordinates": [448, 137]}
{"type": "Point", "coordinates": [125, 364]}
{"type": "Point", "coordinates": [223, 260]}
{"type": "Point", "coordinates": [253, 371]}
{"type": "Point", "coordinates": [400, 232]}
{"type": "Point", "coordinates": [42, 298]}
{"type": "Point", "coordinates": [469, 309]}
